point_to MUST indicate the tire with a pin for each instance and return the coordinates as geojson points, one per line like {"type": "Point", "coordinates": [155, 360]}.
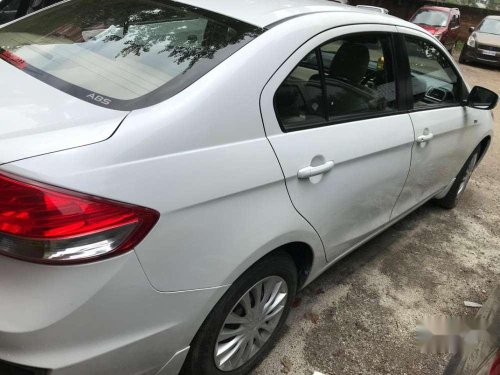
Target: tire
{"type": "Point", "coordinates": [451, 199]}
{"type": "Point", "coordinates": [202, 359]}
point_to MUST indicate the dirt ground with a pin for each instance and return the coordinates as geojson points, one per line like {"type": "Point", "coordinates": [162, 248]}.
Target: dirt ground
{"type": "Point", "coordinates": [360, 316]}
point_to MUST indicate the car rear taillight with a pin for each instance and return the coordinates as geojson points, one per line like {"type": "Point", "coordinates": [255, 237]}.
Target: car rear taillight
{"type": "Point", "coordinates": [45, 224]}
{"type": "Point", "coordinates": [495, 366]}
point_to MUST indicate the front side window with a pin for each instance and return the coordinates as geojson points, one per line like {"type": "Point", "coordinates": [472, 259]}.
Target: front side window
{"type": "Point", "coordinates": [127, 54]}
{"type": "Point", "coordinates": [348, 78]}
{"type": "Point", "coordinates": [434, 81]}
{"type": "Point", "coordinates": [359, 76]}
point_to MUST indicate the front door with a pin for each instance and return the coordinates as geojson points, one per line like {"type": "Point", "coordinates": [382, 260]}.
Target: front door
{"type": "Point", "coordinates": [444, 130]}
{"type": "Point", "coordinates": [332, 117]}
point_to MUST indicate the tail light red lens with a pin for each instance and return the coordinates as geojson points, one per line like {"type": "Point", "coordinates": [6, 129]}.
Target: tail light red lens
{"type": "Point", "coordinates": [46, 224]}
{"type": "Point", "coordinates": [495, 366]}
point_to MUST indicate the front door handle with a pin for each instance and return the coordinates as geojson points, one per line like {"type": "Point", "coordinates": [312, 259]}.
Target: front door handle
{"type": "Point", "coordinates": [309, 172]}
{"type": "Point", "coordinates": [425, 138]}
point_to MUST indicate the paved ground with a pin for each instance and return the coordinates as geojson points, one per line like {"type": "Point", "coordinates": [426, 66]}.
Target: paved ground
{"type": "Point", "coordinates": [360, 316]}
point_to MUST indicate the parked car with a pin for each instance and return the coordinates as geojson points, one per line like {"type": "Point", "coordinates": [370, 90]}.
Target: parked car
{"type": "Point", "coordinates": [373, 9]}
{"type": "Point", "coordinates": [443, 23]}
{"type": "Point", "coordinates": [483, 44]}
{"type": "Point", "coordinates": [172, 173]}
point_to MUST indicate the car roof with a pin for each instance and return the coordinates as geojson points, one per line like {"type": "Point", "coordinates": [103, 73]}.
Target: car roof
{"type": "Point", "coordinates": [263, 13]}
{"type": "Point", "coordinates": [493, 17]}
{"type": "Point", "coordinates": [441, 9]}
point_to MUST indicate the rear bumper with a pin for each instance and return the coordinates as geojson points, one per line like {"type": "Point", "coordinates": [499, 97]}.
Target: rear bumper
{"type": "Point", "coordinates": [101, 318]}
{"type": "Point", "coordinates": [478, 55]}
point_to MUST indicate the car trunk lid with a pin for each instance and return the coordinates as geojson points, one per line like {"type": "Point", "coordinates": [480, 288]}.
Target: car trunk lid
{"type": "Point", "coordinates": [36, 118]}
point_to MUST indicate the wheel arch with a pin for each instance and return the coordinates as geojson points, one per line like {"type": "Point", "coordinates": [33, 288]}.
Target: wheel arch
{"type": "Point", "coordinates": [302, 255]}
{"type": "Point", "coordinates": [306, 251]}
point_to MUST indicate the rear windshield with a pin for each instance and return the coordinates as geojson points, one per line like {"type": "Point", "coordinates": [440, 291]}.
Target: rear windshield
{"type": "Point", "coordinates": [122, 54]}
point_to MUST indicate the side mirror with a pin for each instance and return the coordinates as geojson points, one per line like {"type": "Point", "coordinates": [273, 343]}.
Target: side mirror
{"type": "Point", "coordinates": [471, 29]}
{"type": "Point", "coordinates": [482, 98]}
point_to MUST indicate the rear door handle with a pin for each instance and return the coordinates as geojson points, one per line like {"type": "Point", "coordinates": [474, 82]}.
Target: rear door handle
{"type": "Point", "coordinates": [309, 172]}
{"type": "Point", "coordinates": [425, 138]}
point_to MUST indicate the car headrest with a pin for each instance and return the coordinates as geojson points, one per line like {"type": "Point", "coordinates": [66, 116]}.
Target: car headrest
{"type": "Point", "coordinates": [350, 62]}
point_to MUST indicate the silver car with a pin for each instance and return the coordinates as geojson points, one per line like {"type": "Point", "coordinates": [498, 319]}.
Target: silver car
{"type": "Point", "coordinates": [171, 173]}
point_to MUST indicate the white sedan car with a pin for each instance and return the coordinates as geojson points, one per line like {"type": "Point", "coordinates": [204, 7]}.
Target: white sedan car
{"type": "Point", "coordinates": [171, 173]}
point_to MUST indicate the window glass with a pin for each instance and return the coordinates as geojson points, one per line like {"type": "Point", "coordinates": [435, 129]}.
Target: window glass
{"type": "Point", "coordinates": [130, 53]}
{"type": "Point", "coordinates": [299, 100]}
{"type": "Point", "coordinates": [353, 79]}
{"type": "Point", "coordinates": [434, 81]}
{"type": "Point", "coordinates": [359, 76]}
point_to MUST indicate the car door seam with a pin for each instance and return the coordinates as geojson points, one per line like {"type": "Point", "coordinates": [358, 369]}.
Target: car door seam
{"type": "Point", "coordinates": [283, 172]}
{"type": "Point", "coordinates": [409, 168]}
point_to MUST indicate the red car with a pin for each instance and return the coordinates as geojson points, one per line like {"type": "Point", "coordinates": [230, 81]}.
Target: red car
{"type": "Point", "coordinates": [441, 22]}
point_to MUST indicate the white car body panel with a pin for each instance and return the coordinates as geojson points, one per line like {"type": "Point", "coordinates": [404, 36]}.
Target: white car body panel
{"type": "Point", "coordinates": [357, 196]}
{"type": "Point", "coordinates": [134, 340]}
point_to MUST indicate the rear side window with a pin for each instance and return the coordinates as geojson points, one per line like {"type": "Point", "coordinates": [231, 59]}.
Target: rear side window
{"type": "Point", "coordinates": [434, 81]}
{"type": "Point", "coordinates": [345, 79]}
{"type": "Point", "coordinates": [299, 100]}
{"type": "Point", "coordinates": [122, 54]}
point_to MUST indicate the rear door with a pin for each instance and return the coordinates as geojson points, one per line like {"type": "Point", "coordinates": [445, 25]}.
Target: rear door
{"type": "Point", "coordinates": [332, 116]}
{"type": "Point", "coordinates": [445, 131]}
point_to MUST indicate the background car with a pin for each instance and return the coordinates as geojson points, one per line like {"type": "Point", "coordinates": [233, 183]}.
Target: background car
{"type": "Point", "coordinates": [442, 22]}
{"type": "Point", "coordinates": [483, 44]}
{"type": "Point", "coordinates": [374, 9]}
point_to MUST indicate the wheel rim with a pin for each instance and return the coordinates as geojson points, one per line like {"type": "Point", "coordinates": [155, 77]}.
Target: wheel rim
{"type": "Point", "coordinates": [250, 323]}
{"type": "Point", "coordinates": [467, 175]}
